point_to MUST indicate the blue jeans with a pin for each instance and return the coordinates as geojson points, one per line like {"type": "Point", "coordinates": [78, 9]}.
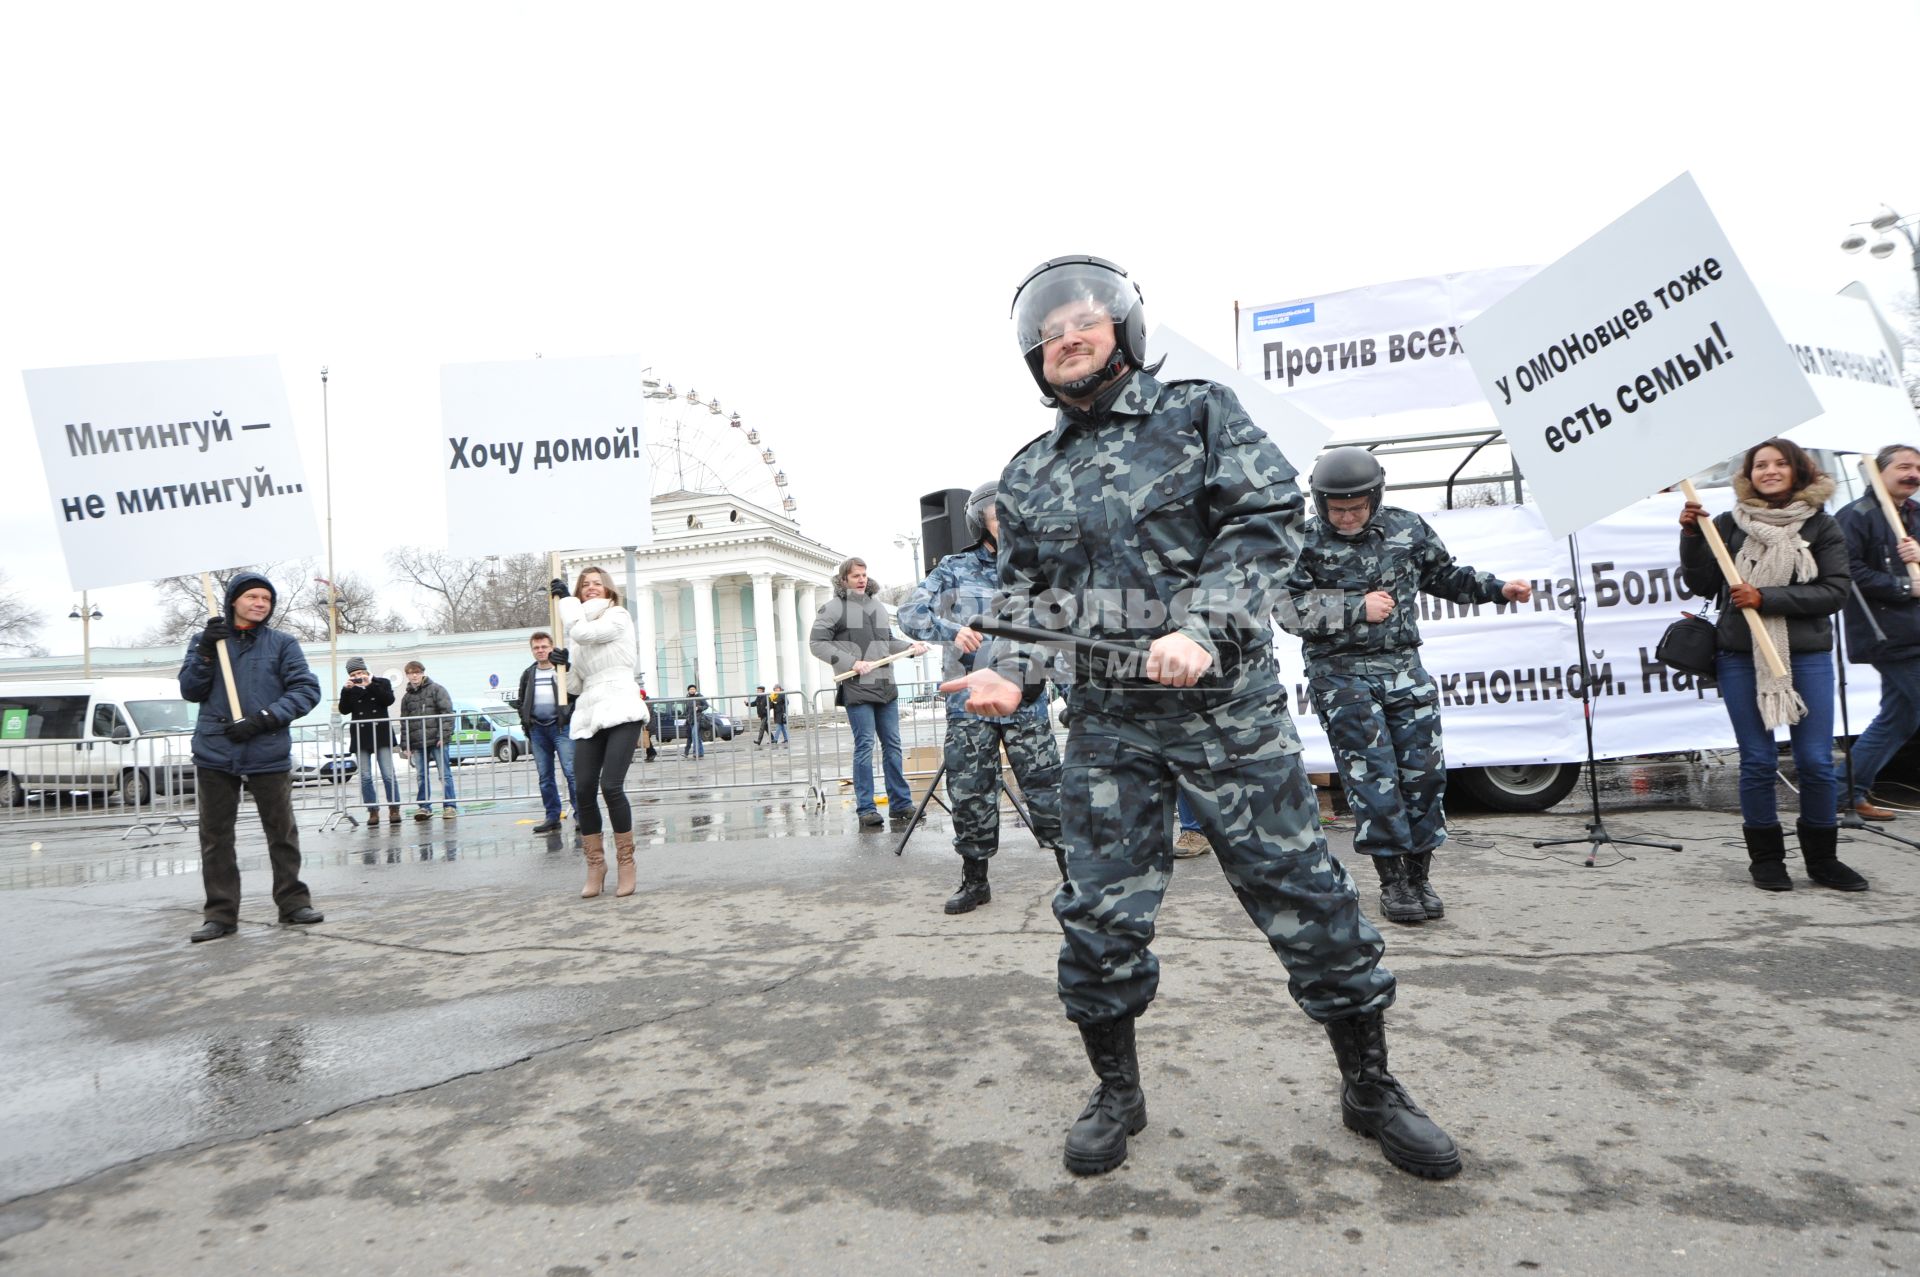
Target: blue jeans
{"type": "Point", "coordinates": [780, 736]}
{"type": "Point", "coordinates": [1188, 825]}
{"type": "Point", "coordinates": [696, 743]}
{"type": "Point", "coordinates": [549, 739]}
{"type": "Point", "coordinates": [1898, 719]}
{"type": "Point", "coordinates": [1760, 754]}
{"type": "Point", "coordinates": [434, 754]}
{"type": "Point", "coordinates": [882, 720]}
{"type": "Point", "coordinates": [363, 760]}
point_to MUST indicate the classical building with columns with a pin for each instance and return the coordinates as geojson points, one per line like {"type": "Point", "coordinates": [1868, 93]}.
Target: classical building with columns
{"type": "Point", "coordinates": [723, 596]}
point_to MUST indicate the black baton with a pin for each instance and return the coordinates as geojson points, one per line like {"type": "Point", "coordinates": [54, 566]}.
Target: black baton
{"type": "Point", "coordinates": [1027, 634]}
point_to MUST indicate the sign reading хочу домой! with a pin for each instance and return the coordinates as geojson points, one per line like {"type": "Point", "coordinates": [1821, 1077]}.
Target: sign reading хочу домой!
{"type": "Point", "coordinates": [542, 453]}
{"type": "Point", "coordinates": [178, 466]}
{"type": "Point", "coordinates": [1641, 357]}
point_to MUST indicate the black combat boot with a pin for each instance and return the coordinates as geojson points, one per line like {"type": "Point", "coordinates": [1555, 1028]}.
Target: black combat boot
{"type": "Point", "coordinates": [1374, 1103]}
{"type": "Point", "coordinates": [1419, 867]}
{"type": "Point", "coordinates": [1767, 850]}
{"type": "Point", "coordinates": [974, 890]}
{"type": "Point", "coordinates": [1118, 1108]}
{"type": "Point", "coordinates": [1824, 866]}
{"type": "Point", "coordinates": [1399, 900]}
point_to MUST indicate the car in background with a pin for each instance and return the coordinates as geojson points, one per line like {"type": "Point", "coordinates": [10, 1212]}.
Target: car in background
{"type": "Point", "coordinates": [315, 764]}
{"type": "Point", "coordinates": [128, 738]}
{"type": "Point", "coordinates": [481, 732]}
{"type": "Point", "coordinates": [669, 722]}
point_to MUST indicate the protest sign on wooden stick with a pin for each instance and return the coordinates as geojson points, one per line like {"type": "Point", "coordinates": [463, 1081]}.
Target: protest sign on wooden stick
{"type": "Point", "coordinates": [1762, 644]}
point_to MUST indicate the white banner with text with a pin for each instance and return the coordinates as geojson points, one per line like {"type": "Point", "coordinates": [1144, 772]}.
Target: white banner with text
{"type": "Point", "coordinates": [165, 468]}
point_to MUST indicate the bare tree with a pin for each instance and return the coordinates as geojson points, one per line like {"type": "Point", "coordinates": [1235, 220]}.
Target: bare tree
{"type": "Point", "coordinates": [299, 607]}
{"type": "Point", "coordinates": [18, 623]}
{"type": "Point", "coordinates": [467, 594]}
{"type": "Point", "coordinates": [1906, 323]}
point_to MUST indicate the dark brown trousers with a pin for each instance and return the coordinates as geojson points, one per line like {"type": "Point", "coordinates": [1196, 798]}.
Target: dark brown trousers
{"type": "Point", "coordinates": [217, 795]}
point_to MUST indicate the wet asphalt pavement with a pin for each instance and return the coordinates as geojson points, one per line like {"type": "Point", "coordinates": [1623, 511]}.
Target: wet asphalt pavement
{"type": "Point", "coordinates": [780, 1055]}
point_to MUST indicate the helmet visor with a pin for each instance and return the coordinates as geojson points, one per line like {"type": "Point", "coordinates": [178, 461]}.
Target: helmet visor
{"type": "Point", "coordinates": [1070, 298]}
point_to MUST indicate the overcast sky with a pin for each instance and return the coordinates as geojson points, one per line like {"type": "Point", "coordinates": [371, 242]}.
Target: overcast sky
{"type": "Point", "coordinates": [819, 213]}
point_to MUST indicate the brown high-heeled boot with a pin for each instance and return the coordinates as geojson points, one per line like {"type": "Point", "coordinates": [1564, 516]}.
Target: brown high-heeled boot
{"type": "Point", "coordinates": [623, 854]}
{"type": "Point", "coordinates": [596, 865]}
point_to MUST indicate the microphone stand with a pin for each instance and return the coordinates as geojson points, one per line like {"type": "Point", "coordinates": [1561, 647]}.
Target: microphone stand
{"type": "Point", "coordinates": [1596, 835]}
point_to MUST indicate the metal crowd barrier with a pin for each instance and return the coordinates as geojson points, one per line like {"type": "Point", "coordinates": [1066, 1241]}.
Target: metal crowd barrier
{"type": "Point", "coordinates": [147, 783]}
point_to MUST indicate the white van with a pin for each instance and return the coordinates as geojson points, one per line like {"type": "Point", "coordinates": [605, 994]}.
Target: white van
{"type": "Point", "coordinates": [127, 737]}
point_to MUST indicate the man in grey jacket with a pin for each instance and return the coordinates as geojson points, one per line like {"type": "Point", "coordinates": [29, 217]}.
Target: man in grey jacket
{"type": "Point", "coordinates": [426, 729]}
{"type": "Point", "coordinates": [851, 633]}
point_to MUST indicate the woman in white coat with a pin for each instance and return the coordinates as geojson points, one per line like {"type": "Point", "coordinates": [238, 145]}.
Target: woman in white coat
{"type": "Point", "coordinates": [607, 715]}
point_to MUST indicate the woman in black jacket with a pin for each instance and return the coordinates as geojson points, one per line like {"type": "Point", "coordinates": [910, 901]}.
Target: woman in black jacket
{"type": "Point", "coordinates": [1792, 561]}
{"type": "Point", "coordinates": [365, 701]}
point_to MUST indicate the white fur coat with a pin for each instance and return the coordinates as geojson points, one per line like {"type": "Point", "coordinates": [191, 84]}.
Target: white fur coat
{"type": "Point", "coordinates": [600, 680]}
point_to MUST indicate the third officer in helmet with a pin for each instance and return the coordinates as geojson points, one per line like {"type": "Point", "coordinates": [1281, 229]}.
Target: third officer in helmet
{"type": "Point", "coordinates": [1156, 516]}
{"type": "Point", "coordinates": [961, 587]}
{"type": "Point", "coordinates": [1352, 603]}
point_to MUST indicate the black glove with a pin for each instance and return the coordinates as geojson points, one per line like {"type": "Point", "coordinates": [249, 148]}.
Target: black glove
{"type": "Point", "coordinates": [560, 656]}
{"type": "Point", "coordinates": [254, 724]}
{"type": "Point", "coordinates": [217, 629]}
{"type": "Point", "coordinates": [558, 588]}
{"type": "Point", "coordinates": [562, 715]}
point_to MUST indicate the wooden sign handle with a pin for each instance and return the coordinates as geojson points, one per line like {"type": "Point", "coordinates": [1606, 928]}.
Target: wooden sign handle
{"type": "Point", "coordinates": [885, 660]}
{"type": "Point", "coordinates": [559, 629]}
{"type": "Point", "coordinates": [1893, 516]}
{"type": "Point", "coordinates": [220, 650]}
{"type": "Point", "coordinates": [1761, 642]}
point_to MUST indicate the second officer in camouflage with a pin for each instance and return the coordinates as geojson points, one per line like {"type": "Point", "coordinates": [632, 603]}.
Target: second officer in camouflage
{"type": "Point", "coordinates": [961, 587]}
{"type": "Point", "coordinates": [1351, 600]}
{"type": "Point", "coordinates": [1160, 517]}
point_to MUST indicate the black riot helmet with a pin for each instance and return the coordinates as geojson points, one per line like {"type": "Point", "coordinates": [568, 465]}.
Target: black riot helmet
{"type": "Point", "coordinates": [1348, 472]}
{"type": "Point", "coordinates": [1108, 293]}
{"type": "Point", "coordinates": [978, 503]}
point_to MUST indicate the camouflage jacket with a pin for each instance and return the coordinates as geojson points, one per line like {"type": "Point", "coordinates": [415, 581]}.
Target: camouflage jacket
{"type": "Point", "coordinates": [960, 587]}
{"type": "Point", "coordinates": [1163, 508]}
{"type": "Point", "coordinates": [1397, 552]}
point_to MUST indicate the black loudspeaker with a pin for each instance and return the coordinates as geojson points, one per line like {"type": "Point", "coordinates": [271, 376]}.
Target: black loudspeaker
{"type": "Point", "coordinates": [943, 525]}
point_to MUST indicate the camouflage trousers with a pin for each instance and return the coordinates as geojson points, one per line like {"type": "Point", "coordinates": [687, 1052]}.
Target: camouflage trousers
{"type": "Point", "coordinates": [1240, 770]}
{"type": "Point", "coordinates": [1382, 717]}
{"type": "Point", "coordinates": [973, 779]}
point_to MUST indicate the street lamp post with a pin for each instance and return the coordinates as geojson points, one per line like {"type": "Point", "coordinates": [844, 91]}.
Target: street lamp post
{"type": "Point", "coordinates": [1888, 220]}
{"type": "Point", "coordinates": [86, 614]}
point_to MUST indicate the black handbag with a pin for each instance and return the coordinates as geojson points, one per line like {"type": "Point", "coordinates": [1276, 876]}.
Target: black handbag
{"type": "Point", "coordinates": [1689, 645]}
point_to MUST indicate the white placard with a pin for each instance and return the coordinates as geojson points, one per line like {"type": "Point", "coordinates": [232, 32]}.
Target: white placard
{"type": "Point", "coordinates": [1843, 351]}
{"type": "Point", "coordinates": [1368, 351]}
{"type": "Point", "coordinates": [545, 453]}
{"type": "Point", "coordinates": [159, 469]}
{"type": "Point", "coordinates": [1639, 358]}
{"type": "Point", "coordinates": [1299, 436]}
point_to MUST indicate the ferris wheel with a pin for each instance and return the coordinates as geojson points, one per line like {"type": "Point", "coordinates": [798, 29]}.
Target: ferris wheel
{"type": "Point", "coordinates": [694, 445]}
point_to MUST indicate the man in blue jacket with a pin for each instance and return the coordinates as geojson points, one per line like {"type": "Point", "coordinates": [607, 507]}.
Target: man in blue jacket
{"type": "Point", "coordinates": [1883, 619]}
{"type": "Point", "coordinates": [247, 746]}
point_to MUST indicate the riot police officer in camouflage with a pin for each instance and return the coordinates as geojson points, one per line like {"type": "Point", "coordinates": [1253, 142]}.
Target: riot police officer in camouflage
{"type": "Point", "coordinates": [961, 587]}
{"type": "Point", "coordinates": [1351, 600]}
{"type": "Point", "coordinates": [1159, 516]}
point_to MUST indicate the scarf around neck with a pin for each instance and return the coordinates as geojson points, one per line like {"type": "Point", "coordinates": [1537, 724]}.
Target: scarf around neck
{"type": "Point", "coordinates": [1775, 554]}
